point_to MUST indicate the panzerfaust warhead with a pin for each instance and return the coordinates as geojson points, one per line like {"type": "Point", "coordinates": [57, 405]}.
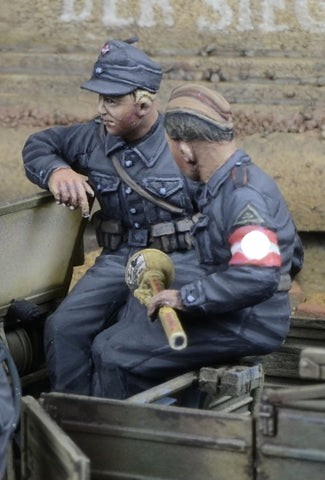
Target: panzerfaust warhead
{"type": "Point", "coordinates": [148, 272]}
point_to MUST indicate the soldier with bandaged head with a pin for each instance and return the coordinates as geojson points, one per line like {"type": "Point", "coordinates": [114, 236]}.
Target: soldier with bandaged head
{"type": "Point", "coordinates": [246, 240]}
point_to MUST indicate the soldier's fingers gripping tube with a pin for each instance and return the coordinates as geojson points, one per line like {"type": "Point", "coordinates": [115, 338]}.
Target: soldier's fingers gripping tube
{"type": "Point", "coordinates": [148, 272]}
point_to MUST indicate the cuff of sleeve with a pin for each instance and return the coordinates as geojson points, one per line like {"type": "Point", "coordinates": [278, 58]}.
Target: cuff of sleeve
{"type": "Point", "coordinates": [45, 175]}
{"type": "Point", "coordinates": [192, 295]}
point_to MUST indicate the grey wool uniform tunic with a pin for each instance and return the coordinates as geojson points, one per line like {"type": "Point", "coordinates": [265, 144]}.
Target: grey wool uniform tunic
{"type": "Point", "coordinates": [126, 223]}
{"type": "Point", "coordinates": [249, 252]}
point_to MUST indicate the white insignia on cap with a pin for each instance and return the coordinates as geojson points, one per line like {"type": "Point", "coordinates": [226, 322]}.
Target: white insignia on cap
{"type": "Point", "coordinates": [255, 245]}
{"type": "Point", "coordinates": [105, 49]}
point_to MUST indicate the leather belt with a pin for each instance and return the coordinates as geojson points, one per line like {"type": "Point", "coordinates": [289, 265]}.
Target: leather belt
{"type": "Point", "coordinates": [166, 236]}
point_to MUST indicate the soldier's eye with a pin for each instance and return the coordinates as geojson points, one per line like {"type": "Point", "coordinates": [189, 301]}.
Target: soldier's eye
{"type": "Point", "coordinates": [109, 100]}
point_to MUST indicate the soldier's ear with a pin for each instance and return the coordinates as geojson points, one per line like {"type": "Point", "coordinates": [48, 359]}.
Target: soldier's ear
{"type": "Point", "coordinates": [144, 105]}
{"type": "Point", "coordinates": [186, 151]}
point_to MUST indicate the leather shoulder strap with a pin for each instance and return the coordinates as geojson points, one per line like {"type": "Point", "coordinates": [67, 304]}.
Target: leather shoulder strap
{"type": "Point", "coordinates": [158, 201]}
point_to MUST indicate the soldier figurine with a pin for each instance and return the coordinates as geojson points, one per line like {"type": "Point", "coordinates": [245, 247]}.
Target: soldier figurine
{"type": "Point", "coordinates": [121, 158]}
{"type": "Point", "coordinates": [246, 240]}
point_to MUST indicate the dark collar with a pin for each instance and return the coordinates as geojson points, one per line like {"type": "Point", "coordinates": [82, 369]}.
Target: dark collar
{"type": "Point", "coordinates": [148, 148]}
{"type": "Point", "coordinates": [219, 175]}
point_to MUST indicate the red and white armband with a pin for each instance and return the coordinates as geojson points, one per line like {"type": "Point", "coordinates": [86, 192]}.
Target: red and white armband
{"type": "Point", "coordinates": [254, 245]}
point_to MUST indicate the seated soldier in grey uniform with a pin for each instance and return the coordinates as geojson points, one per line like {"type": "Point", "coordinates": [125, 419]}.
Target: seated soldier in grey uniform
{"type": "Point", "coordinates": [9, 405]}
{"type": "Point", "coordinates": [144, 201]}
{"type": "Point", "coordinates": [247, 245]}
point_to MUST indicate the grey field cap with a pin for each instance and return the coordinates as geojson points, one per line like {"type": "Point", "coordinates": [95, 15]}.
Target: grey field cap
{"type": "Point", "coordinates": [122, 68]}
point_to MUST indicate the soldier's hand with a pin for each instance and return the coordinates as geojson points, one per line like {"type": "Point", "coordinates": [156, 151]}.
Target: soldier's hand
{"type": "Point", "coordinates": [70, 189]}
{"type": "Point", "coordinates": [169, 298]}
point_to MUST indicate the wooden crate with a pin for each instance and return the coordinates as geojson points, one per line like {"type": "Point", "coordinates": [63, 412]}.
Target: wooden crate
{"type": "Point", "coordinates": [304, 333]}
{"type": "Point", "coordinates": [144, 437]}
{"type": "Point", "coordinates": [290, 434]}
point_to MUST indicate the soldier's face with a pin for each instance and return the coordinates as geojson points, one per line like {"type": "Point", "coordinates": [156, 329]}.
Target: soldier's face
{"type": "Point", "coordinates": [119, 114]}
{"type": "Point", "coordinates": [175, 151]}
{"type": "Point", "coordinates": [182, 158]}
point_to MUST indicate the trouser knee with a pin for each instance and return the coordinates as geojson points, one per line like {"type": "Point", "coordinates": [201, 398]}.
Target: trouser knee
{"type": "Point", "coordinates": [49, 329]}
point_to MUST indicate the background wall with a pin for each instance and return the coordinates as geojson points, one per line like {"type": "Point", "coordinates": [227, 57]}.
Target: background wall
{"type": "Point", "coordinates": [266, 56]}
{"type": "Point", "coordinates": [247, 27]}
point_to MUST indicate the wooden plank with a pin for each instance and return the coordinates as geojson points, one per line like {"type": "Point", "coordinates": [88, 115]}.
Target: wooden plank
{"type": "Point", "coordinates": [146, 441]}
{"type": "Point", "coordinates": [290, 439]}
{"type": "Point", "coordinates": [312, 363]}
{"type": "Point", "coordinates": [47, 452]}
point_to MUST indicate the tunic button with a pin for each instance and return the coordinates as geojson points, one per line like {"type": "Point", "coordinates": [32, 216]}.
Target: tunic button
{"type": "Point", "coordinates": [190, 298]}
{"type": "Point", "coordinates": [137, 225]}
{"type": "Point", "coordinates": [128, 163]}
{"type": "Point", "coordinates": [133, 210]}
{"type": "Point", "coordinates": [99, 187]}
{"type": "Point", "coordinates": [162, 191]}
{"type": "Point", "coordinates": [128, 190]}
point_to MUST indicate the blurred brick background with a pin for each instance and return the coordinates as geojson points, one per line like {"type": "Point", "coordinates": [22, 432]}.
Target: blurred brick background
{"type": "Point", "coordinates": [266, 57]}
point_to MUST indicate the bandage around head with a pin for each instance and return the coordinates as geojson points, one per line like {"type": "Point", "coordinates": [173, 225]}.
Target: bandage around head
{"type": "Point", "coordinates": [201, 102]}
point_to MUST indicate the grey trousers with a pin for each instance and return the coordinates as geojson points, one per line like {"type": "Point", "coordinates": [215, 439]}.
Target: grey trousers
{"type": "Point", "coordinates": [133, 355]}
{"type": "Point", "coordinates": [91, 308]}
{"type": "Point", "coordinates": [7, 415]}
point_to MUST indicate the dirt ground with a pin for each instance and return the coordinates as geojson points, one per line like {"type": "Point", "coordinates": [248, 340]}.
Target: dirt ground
{"type": "Point", "coordinates": [15, 185]}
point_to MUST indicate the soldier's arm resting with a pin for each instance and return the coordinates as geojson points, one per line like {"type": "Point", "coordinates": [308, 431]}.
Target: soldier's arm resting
{"type": "Point", "coordinates": [51, 160]}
